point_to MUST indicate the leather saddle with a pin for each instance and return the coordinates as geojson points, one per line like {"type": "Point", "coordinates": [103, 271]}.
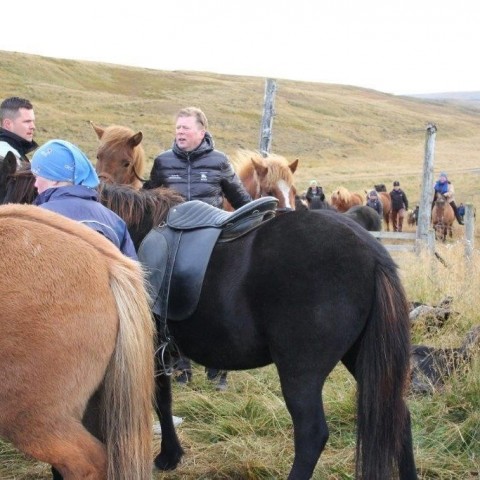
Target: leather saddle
{"type": "Point", "coordinates": [176, 254]}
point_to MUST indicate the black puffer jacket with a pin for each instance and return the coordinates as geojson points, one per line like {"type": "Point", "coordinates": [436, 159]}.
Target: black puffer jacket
{"type": "Point", "coordinates": [19, 146]}
{"type": "Point", "coordinates": [203, 174]}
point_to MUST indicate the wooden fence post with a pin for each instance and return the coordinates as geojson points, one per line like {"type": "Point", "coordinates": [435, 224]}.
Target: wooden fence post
{"type": "Point", "coordinates": [268, 114]}
{"type": "Point", "coordinates": [425, 207]}
{"type": "Point", "coordinates": [469, 230]}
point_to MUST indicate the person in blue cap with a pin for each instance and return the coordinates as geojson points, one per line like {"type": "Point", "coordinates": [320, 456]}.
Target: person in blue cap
{"type": "Point", "coordinates": [444, 187]}
{"type": "Point", "coordinates": [66, 181]}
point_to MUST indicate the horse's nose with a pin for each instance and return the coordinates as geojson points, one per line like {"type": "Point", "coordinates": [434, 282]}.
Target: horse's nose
{"type": "Point", "coordinates": [105, 178]}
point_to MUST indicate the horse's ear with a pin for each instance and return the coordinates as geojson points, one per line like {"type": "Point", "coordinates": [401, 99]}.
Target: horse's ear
{"type": "Point", "coordinates": [293, 166]}
{"type": "Point", "coordinates": [135, 140]}
{"type": "Point", "coordinates": [261, 170]}
{"type": "Point", "coordinates": [98, 130]}
{"type": "Point", "coordinates": [9, 165]}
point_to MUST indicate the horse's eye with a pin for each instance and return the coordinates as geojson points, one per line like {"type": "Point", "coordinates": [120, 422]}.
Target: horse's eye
{"type": "Point", "coordinates": [126, 164]}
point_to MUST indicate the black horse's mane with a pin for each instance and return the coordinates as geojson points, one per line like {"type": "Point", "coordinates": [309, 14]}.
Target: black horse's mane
{"type": "Point", "coordinates": [20, 186]}
{"type": "Point", "coordinates": [138, 206]}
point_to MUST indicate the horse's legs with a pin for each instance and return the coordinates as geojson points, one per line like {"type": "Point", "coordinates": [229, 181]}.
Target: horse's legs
{"type": "Point", "coordinates": [91, 421]}
{"type": "Point", "coordinates": [302, 393]}
{"type": "Point", "coordinates": [72, 451]}
{"type": "Point", "coordinates": [171, 451]}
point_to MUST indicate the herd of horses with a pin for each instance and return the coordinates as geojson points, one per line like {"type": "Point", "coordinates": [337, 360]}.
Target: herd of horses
{"type": "Point", "coordinates": [64, 325]}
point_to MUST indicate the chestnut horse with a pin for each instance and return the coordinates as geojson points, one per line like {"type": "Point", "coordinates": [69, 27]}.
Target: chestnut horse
{"type": "Point", "coordinates": [386, 202]}
{"type": "Point", "coordinates": [76, 363]}
{"type": "Point", "coordinates": [341, 199]}
{"type": "Point", "coordinates": [266, 176]}
{"type": "Point", "coordinates": [120, 155]}
{"type": "Point", "coordinates": [442, 218]}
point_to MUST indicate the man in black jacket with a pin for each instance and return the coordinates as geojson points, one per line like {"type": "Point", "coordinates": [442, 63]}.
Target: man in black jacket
{"type": "Point", "coordinates": [197, 171]}
{"type": "Point", "coordinates": [399, 206]}
{"type": "Point", "coordinates": [17, 127]}
{"type": "Point", "coordinates": [194, 168]}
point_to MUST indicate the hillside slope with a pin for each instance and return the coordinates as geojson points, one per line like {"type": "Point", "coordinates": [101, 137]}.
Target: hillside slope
{"type": "Point", "coordinates": [342, 135]}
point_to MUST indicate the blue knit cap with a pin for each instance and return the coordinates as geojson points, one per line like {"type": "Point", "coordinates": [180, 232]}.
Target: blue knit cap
{"type": "Point", "coordinates": [443, 174]}
{"type": "Point", "coordinates": [62, 161]}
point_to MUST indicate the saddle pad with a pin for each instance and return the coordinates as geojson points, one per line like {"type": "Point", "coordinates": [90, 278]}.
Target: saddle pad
{"type": "Point", "coordinates": [176, 262]}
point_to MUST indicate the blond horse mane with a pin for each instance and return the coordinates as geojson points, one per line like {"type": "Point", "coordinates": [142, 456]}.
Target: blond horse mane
{"type": "Point", "coordinates": [342, 199]}
{"type": "Point", "coordinates": [278, 167]}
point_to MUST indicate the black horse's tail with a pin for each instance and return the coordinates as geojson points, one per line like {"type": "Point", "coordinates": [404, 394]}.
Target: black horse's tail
{"type": "Point", "coordinates": [382, 372]}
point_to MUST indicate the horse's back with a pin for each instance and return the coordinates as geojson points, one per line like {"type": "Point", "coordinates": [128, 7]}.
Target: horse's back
{"type": "Point", "coordinates": [312, 244]}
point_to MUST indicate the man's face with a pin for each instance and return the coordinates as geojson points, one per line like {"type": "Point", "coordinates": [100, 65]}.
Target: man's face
{"type": "Point", "coordinates": [23, 125]}
{"type": "Point", "coordinates": [188, 133]}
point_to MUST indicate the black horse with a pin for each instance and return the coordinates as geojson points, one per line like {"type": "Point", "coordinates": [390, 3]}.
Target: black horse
{"type": "Point", "coordinates": [346, 304]}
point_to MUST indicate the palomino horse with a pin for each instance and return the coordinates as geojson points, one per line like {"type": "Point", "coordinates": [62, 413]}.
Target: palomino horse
{"type": "Point", "coordinates": [266, 176]}
{"type": "Point", "coordinates": [76, 363]}
{"type": "Point", "coordinates": [360, 319]}
{"type": "Point", "coordinates": [120, 155]}
{"type": "Point", "coordinates": [442, 218]}
{"type": "Point", "coordinates": [341, 199]}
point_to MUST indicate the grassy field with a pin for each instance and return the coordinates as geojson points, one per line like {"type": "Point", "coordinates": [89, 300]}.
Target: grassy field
{"type": "Point", "coordinates": [343, 136]}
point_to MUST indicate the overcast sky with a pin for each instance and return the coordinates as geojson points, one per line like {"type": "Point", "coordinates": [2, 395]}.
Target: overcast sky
{"type": "Point", "coordinates": [400, 47]}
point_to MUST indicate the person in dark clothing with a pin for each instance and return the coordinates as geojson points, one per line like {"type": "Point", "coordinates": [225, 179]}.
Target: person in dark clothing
{"type": "Point", "coordinates": [66, 182]}
{"type": "Point", "coordinates": [194, 168]}
{"type": "Point", "coordinates": [17, 127]}
{"type": "Point", "coordinates": [197, 171]}
{"type": "Point", "coordinates": [314, 195]}
{"type": "Point", "coordinates": [374, 202]}
{"type": "Point", "coordinates": [444, 187]}
{"type": "Point", "coordinates": [399, 206]}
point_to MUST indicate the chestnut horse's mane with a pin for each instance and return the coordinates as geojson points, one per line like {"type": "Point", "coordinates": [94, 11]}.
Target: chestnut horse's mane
{"type": "Point", "coordinates": [278, 167]}
{"type": "Point", "coordinates": [343, 199]}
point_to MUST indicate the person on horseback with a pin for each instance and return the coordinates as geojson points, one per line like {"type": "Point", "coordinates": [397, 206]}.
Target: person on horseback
{"type": "Point", "coordinates": [444, 187]}
{"type": "Point", "coordinates": [17, 127]}
{"type": "Point", "coordinates": [196, 170]}
{"type": "Point", "coordinates": [66, 182]}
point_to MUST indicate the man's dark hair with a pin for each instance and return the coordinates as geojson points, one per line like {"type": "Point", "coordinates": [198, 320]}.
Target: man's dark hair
{"type": "Point", "coordinates": [10, 106]}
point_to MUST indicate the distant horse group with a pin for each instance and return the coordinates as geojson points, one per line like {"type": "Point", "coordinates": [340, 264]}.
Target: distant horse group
{"type": "Point", "coordinates": [249, 314]}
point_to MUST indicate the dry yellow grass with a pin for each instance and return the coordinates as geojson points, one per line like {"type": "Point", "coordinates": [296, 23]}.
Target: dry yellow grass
{"type": "Point", "coordinates": [342, 135]}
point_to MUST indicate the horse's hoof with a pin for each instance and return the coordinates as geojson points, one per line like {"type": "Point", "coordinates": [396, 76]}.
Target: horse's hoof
{"type": "Point", "coordinates": [165, 462]}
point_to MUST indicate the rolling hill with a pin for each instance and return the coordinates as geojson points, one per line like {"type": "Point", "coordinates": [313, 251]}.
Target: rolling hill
{"type": "Point", "coordinates": [342, 135]}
